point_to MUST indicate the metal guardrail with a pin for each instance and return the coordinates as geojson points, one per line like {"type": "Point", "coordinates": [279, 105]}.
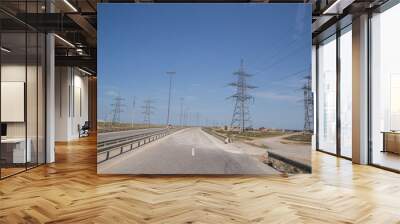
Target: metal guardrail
{"type": "Point", "coordinates": [114, 148]}
{"type": "Point", "coordinates": [102, 146]}
{"type": "Point", "coordinates": [217, 135]}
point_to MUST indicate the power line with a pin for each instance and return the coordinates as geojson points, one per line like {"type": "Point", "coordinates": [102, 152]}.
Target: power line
{"type": "Point", "coordinates": [294, 74]}
{"type": "Point", "coordinates": [277, 44]}
{"type": "Point", "coordinates": [282, 59]}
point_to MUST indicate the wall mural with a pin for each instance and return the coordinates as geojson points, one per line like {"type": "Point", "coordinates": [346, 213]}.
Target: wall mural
{"type": "Point", "coordinates": [204, 89]}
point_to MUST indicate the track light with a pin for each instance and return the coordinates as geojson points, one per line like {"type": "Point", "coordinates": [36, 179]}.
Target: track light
{"type": "Point", "coordinates": [65, 41]}
{"type": "Point", "coordinates": [5, 50]}
{"type": "Point", "coordinates": [337, 7]}
{"type": "Point", "coordinates": [84, 71]}
{"type": "Point", "coordinates": [70, 5]}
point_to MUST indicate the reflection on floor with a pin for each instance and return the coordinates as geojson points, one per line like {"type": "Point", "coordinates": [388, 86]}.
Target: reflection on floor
{"type": "Point", "coordinates": [10, 171]}
{"type": "Point", "coordinates": [387, 159]}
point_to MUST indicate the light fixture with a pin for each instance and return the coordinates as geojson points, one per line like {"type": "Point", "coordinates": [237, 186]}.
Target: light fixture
{"type": "Point", "coordinates": [337, 7]}
{"type": "Point", "coordinates": [5, 50]}
{"type": "Point", "coordinates": [65, 41]}
{"type": "Point", "coordinates": [84, 71]}
{"type": "Point", "coordinates": [70, 5]}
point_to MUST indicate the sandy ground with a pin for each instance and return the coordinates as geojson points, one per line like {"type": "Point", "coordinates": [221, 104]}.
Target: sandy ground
{"type": "Point", "coordinates": [289, 149]}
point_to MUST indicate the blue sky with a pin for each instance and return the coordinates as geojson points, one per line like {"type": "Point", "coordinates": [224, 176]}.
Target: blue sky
{"type": "Point", "coordinates": [203, 44]}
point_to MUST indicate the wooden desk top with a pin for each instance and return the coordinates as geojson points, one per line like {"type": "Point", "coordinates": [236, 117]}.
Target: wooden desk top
{"type": "Point", "coordinates": [391, 132]}
{"type": "Point", "coordinates": [13, 140]}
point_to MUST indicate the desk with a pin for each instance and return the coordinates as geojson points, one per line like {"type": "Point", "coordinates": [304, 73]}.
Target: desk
{"type": "Point", "coordinates": [13, 150]}
{"type": "Point", "coordinates": [391, 141]}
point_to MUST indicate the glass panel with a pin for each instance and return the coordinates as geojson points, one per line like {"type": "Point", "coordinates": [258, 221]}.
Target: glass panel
{"type": "Point", "coordinates": [31, 98]}
{"type": "Point", "coordinates": [385, 84]}
{"type": "Point", "coordinates": [346, 93]}
{"type": "Point", "coordinates": [41, 98]}
{"type": "Point", "coordinates": [327, 95]}
{"type": "Point", "coordinates": [13, 89]}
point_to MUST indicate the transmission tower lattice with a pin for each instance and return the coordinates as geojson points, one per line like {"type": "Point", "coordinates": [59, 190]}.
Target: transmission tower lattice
{"type": "Point", "coordinates": [308, 106]}
{"type": "Point", "coordinates": [241, 114]}
{"type": "Point", "coordinates": [148, 110]}
{"type": "Point", "coordinates": [117, 108]}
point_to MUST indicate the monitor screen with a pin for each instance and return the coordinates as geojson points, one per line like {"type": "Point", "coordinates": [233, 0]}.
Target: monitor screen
{"type": "Point", "coordinates": [3, 129]}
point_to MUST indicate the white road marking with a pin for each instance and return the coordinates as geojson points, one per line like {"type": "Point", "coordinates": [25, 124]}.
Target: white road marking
{"type": "Point", "coordinates": [193, 152]}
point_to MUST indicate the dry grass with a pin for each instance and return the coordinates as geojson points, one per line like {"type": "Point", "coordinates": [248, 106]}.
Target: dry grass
{"type": "Point", "coordinates": [108, 127]}
{"type": "Point", "coordinates": [301, 137]}
{"type": "Point", "coordinates": [250, 135]}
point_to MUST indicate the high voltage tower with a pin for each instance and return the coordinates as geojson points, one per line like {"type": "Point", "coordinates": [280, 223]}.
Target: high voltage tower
{"type": "Point", "coordinates": [117, 108]}
{"type": "Point", "coordinates": [241, 114]}
{"type": "Point", "coordinates": [148, 110]}
{"type": "Point", "coordinates": [133, 110]}
{"type": "Point", "coordinates": [308, 105]}
{"type": "Point", "coordinates": [181, 112]}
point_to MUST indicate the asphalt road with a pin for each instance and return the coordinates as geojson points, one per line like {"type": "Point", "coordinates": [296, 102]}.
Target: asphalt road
{"type": "Point", "coordinates": [122, 134]}
{"type": "Point", "coordinates": [188, 151]}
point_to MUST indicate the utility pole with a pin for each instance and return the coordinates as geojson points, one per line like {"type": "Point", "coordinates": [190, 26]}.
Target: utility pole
{"type": "Point", "coordinates": [198, 119]}
{"type": "Point", "coordinates": [133, 109]}
{"type": "Point", "coordinates": [148, 110]}
{"type": "Point", "coordinates": [170, 74]}
{"type": "Point", "coordinates": [186, 116]}
{"type": "Point", "coordinates": [181, 112]}
{"type": "Point", "coordinates": [241, 114]}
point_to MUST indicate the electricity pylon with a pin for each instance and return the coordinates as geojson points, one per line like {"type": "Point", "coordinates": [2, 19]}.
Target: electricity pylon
{"type": "Point", "coordinates": [241, 114]}
{"type": "Point", "coordinates": [117, 109]}
{"type": "Point", "coordinates": [308, 106]}
{"type": "Point", "coordinates": [148, 110]}
{"type": "Point", "coordinates": [133, 109]}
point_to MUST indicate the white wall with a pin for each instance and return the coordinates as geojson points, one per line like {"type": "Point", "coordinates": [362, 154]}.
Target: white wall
{"type": "Point", "coordinates": [71, 87]}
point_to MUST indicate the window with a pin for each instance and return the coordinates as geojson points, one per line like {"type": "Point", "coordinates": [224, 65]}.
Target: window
{"type": "Point", "coordinates": [385, 89]}
{"type": "Point", "coordinates": [346, 92]}
{"type": "Point", "coordinates": [327, 95]}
